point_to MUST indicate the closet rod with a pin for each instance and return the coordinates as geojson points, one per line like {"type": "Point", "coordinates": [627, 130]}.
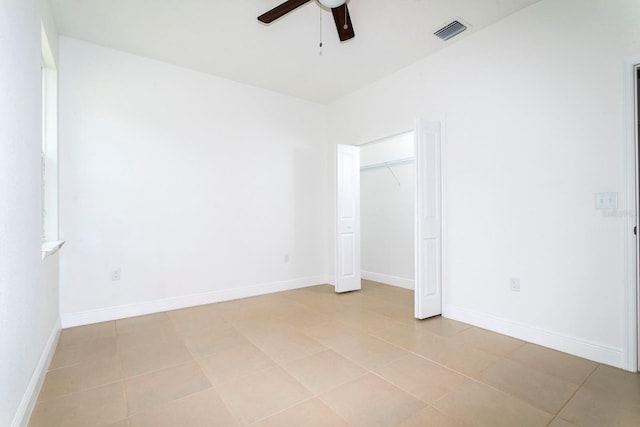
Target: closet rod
{"type": "Point", "coordinates": [387, 164]}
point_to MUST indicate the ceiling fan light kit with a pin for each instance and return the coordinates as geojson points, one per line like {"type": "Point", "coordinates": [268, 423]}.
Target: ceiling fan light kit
{"type": "Point", "coordinates": [338, 8]}
{"type": "Point", "coordinates": [332, 3]}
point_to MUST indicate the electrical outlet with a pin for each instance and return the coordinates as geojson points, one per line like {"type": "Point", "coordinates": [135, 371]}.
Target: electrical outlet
{"type": "Point", "coordinates": [115, 275]}
{"type": "Point", "coordinates": [514, 284]}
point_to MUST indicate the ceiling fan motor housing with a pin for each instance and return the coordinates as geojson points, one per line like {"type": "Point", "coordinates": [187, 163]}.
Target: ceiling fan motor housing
{"type": "Point", "coordinates": [339, 10]}
{"type": "Point", "coordinates": [332, 3]}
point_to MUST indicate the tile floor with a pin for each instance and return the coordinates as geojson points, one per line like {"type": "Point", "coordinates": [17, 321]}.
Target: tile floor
{"type": "Point", "coordinates": [310, 357]}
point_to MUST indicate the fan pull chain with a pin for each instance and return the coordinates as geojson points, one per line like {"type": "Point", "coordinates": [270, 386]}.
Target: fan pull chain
{"type": "Point", "coordinates": [320, 46]}
{"type": "Point", "coordinates": [346, 14]}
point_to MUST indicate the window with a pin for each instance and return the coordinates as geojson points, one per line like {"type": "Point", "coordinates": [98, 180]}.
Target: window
{"type": "Point", "coordinates": [49, 191]}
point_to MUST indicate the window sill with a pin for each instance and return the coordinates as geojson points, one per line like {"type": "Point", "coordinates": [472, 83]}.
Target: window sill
{"type": "Point", "coordinates": [50, 247]}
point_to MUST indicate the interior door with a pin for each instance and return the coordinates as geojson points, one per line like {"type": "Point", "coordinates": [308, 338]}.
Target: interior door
{"type": "Point", "coordinates": [428, 220]}
{"type": "Point", "coordinates": [348, 219]}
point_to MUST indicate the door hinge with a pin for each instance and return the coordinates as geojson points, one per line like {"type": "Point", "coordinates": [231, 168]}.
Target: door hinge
{"type": "Point", "coordinates": [635, 230]}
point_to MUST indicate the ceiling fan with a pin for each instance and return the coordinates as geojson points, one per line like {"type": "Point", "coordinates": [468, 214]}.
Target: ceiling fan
{"type": "Point", "coordinates": [338, 8]}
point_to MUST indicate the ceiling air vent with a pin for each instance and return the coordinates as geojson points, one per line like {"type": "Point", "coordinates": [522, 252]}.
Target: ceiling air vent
{"type": "Point", "coordinates": [450, 30]}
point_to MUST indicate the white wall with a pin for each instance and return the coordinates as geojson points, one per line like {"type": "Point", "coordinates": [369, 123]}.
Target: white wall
{"type": "Point", "coordinates": [28, 285]}
{"type": "Point", "coordinates": [532, 108]}
{"type": "Point", "coordinates": [387, 210]}
{"type": "Point", "coordinates": [193, 186]}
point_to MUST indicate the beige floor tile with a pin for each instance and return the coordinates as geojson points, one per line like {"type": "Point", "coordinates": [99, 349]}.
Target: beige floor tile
{"type": "Point", "coordinates": [455, 355]}
{"type": "Point", "coordinates": [153, 356]}
{"type": "Point", "coordinates": [144, 323]}
{"type": "Point", "coordinates": [233, 363]}
{"type": "Point", "coordinates": [346, 304]}
{"type": "Point", "coordinates": [203, 409]}
{"type": "Point", "coordinates": [402, 297]}
{"type": "Point", "coordinates": [430, 417]}
{"type": "Point", "coordinates": [364, 308]}
{"type": "Point", "coordinates": [160, 387]}
{"type": "Point", "coordinates": [559, 422]}
{"type": "Point", "coordinates": [312, 413]}
{"type": "Point", "coordinates": [538, 388]}
{"type": "Point", "coordinates": [214, 342]}
{"type": "Point", "coordinates": [233, 306]}
{"type": "Point", "coordinates": [288, 346]}
{"type": "Point", "coordinates": [442, 326]}
{"type": "Point", "coordinates": [262, 394]}
{"type": "Point", "coordinates": [262, 327]}
{"type": "Point", "coordinates": [410, 336]}
{"type": "Point", "coordinates": [83, 376]}
{"type": "Point", "coordinates": [615, 383]}
{"type": "Point", "coordinates": [488, 341]}
{"type": "Point", "coordinates": [368, 351]}
{"type": "Point", "coordinates": [309, 294]}
{"type": "Point", "coordinates": [368, 321]}
{"type": "Point", "coordinates": [323, 371]}
{"type": "Point", "coordinates": [326, 304]}
{"type": "Point", "coordinates": [258, 310]}
{"type": "Point", "coordinates": [275, 301]}
{"type": "Point", "coordinates": [142, 330]}
{"type": "Point", "coordinates": [151, 338]}
{"type": "Point", "coordinates": [325, 289]}
{"type": "Point", "coordinates": [591, 409]}
{"type": "Point", "coordinates": [398, 313]}
{"type": "Point", "coordinates": [197, 321]}
{"type": "Point", "coordinates": [95, 407]}
{"type": "Point", "coordinates": [87, 333]}
{"type": "Point", "coordinates": [421, 378]}
{"type": "Point", "coordinates": [370, 401]}
{"type": "Point", "coordinates": [561, 365]}
{"type": "Point", "coordinates": [333, 333]}
{"type": "Point", "coordinates": [391, 294]}
{"type": "Point", "coordinates": [122, 423]}
{"type": "Point", "coordinates": [70, 355]}
{"type": "Point", "coordinates": [354, 300]}
{"type": "Point", "coordinates": [302, 316]}
{"type": "Point", "coordinates": [370, 284]}
{"type": "Point", "coordinates": [482, 405]}
{"type": "Point", "coordinates": [609, 397]}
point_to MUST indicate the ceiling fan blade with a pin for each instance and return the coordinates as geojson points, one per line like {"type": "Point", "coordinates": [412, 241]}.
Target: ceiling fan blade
{"type": "Point", "coordinates": [343, 22]}
{"type": "Point", "coordinates": [281, 10]}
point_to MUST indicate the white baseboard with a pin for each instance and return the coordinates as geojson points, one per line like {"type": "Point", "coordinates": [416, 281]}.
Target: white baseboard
{"type": "Point", "coordinates": [182, 301]}
{"type": "Point", "coordinates": [30, 396]}
{"type": "Point", "coordinates": [597, 352]}
{"type": "Point", "coordinates": [400, 282]}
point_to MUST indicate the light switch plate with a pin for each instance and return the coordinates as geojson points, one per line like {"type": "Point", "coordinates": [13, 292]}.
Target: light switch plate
{"type": "Point", "coordinates": [606, 201]}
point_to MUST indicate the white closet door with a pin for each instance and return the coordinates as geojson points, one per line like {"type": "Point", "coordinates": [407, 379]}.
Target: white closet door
{"type": "Point", "coordinates": [348, 219]}
{"type": "Point", "coordinates": [428, 220]}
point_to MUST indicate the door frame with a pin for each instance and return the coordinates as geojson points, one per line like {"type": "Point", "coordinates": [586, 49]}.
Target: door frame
{"type": "Point", "coordinates": [632, 203]}
{"type": "Point", "coordinates": [443, 239]}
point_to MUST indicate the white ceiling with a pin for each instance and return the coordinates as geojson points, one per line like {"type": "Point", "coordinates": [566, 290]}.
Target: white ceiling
{"type": "Point", "coordinates": [224, 38]}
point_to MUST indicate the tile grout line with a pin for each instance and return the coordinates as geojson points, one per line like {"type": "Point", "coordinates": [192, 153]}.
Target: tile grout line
{"type": "Point", "coordinates": [367, 371]}
{"type": "Point", "coordinates": [124, 384]}
{"type": "Point", "coordinates": [194, 360]}
{"type": "Point", "coordinates": [577, 390]}
{"type": "Point", "coordinates": [469, 378]}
